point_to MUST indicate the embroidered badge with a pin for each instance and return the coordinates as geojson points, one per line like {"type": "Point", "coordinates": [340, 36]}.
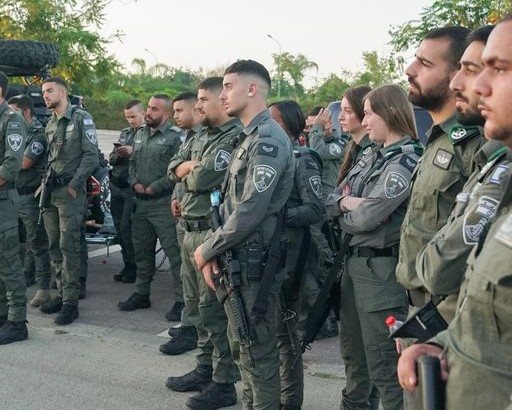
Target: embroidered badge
{"type": "Point", "coordinates": [15, 141]}
{"type": "Point", "coordinates": [476, 221]}
{"type": "Point", "coordinates": [498, 172]}
{"type": "Point", "coordinates": [267, 149]}
{"type": "Point", "coordinates": [263, 177]}
{"type": "Point", "coordinates": [395, 185]}
{"type": "Point", "coordinates": [334, 149]}
{"type": "Point", "coordinates": [37, 148]}
{"type": "Point", "coordinates": [88, 121]}
{"type": "Point", "coordinates": [442, 159]}
{"type": "Point", "coordinates": [316, 185]}
{"type": "Point", "coordinates": [91, 136]}
{"type": "Point", "coordinates": [221, 160]}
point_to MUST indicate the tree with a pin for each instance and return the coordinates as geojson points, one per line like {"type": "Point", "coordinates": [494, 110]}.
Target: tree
{"type": "Point", "coordinates": [292, 68]}
{"type": "Point", "coordinates": [468, 13]}
{"type": "Point", "coordinates": [379, 70]}
{"type": "Point", "coordinates": [71, 25]}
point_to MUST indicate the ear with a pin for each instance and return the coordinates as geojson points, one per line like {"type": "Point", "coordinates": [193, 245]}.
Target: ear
{"type": "Point", "coordinates": [251, 92]}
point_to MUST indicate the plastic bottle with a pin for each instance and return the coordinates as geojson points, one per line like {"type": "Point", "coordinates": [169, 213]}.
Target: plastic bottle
{"type": "Point", "coordinates": [393, 325]}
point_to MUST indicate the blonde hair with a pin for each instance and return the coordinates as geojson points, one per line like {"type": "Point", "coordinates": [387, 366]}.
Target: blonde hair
{"type": "Point", "coordinates": [391, 103]}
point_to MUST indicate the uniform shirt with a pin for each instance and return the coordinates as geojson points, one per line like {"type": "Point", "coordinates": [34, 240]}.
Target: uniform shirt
{"type": "Point", "coordinates": [331, 149]}
{"type": "Point", "coordinates": [257, 185]}
{"type": "Point", "coordinates": [151, 155]}
{"type": "Point", "coordinates": [442, 263]}
{"type": "Point", "coordinates": [212, 147]}
{"type": "Point", "coordinates": [304, 205]}
{"type": "Point", "coordinates": [12, 142]}
{"type": "Point", "coordinates": [36, 150]}
{"type": "Point", "coordinates": [73, 146]}
{"type": "Point", "coordinates": [382, 178]}
{"type": "Point", "coordinates": [442, 172]}
{"type": "Point", "coordinates": [121, 165]}
{"type": "Point", "coordinates": [186, 137]}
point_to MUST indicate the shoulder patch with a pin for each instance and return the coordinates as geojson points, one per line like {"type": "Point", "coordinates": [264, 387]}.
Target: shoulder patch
{"type": "Point", "coordinates": [88, 121]}
{"type": "Point", "coordinates": [263, 177]}
{"type": "Point", "coordinates": [316, 185]}
{"type": "Point", "coordinates": [15, 141]}
{"type": "Point", "coordinates": [14, 126]}
{"type": "Point", "coordinates": [221, 160]}
{"type": "Point", "coordinates": [37, 148]}
{"type": "Point", "coordinates": [267, 149]}
{"type": "Point", "coordinates": [311, 164]}
{"type": "Point", "coordinates": [458, 134]}
{"type": "Point", "coordinates": [443, 158]}
{"type": "Point", "coordinates": [395, 185]}
{"type": "Point", "coordinates": [408, 162]}
{"type": "Point", "coordinates": [498, 172]}
{"type": "Point", "coordinates": [367, 150]}
{"type": "Point", "coordinates": [91, 136]}
{"type": "Point", "coordinates": [475, 222]}
{"type": "Point", "coordinates": [334, 149]}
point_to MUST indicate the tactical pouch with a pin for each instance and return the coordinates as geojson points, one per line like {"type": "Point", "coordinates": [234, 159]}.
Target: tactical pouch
{"type": "Point", "coordinates": [255, 260]}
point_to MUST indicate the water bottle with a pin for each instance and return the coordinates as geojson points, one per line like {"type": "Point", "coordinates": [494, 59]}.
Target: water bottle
{"type": "Point", "coordinates": [393, 325]}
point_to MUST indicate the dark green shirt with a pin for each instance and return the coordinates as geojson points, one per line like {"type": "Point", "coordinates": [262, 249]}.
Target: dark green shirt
{"type": "Point", "coordinates": [13, 135]}
{"type": "Point", "coordinates": [37, 151]}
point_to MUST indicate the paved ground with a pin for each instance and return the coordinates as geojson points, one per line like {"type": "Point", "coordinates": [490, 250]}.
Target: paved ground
{"type": "Point", "coordinates": [109, 359]}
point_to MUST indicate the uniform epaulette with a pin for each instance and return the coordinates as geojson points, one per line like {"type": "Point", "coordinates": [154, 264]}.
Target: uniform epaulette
{"type": "Point", "coordinates": [460, 134]}
{"type": "Point", "coordinates": [407, 160]}
{"type": "Point", "coordinates": [299, 151]}
{"type": "Point", "coordinates": [264, 130]}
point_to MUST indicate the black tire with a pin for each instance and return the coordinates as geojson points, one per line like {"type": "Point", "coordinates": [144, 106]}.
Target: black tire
{"type": "Point", "coordinates": [24, 57]}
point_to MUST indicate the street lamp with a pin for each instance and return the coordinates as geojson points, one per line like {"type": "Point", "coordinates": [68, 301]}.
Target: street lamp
{"type": "Point", "coordinates": [153, 54]}
{"type": "Point", "coordinates": [279, 73]}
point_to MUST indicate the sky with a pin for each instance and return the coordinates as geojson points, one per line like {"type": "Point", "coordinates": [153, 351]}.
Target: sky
{"type": "Point", "coordinates": [212, 33]}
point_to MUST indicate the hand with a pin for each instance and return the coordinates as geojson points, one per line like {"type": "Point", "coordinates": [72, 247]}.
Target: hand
{"type": "Point", "coordinates": [349, 203]}
{"type": "Point", "coordinates": [176, 208]}
{"type": "Point", "coordinates": [124, 151]}
{"type": "Point", "coordinates": [323, 119]}
{"type": "Point", "coordinates": [149, 191]}
{"type": "Point", "coordinates": [184, 168]}
{"type": "Point", "coordinates": [198, 257]}
{"type": "Point", "coordinates": [2, 181]}
{"type": "Point", "coordinates": [210, 270]}
{"type": "Point", "coordinates": [406, 368]}
{"type": "Point", "coordinates": [71, 192]}
{"type": "Point", "coordinates": [139, 188]}
{"type": "Point", "coordinates": [346, 191]}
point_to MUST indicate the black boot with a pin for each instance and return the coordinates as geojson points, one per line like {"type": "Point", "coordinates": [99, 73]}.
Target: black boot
{"type": "Point", "coordinates": [134, 302]}
{"type": "Point", "coordinates": [215, 396]}
{"type": "Point", "coordinates": [196, 380]}
{"type": "Point", "coordinates": [129, 275]}
{"type": "Point", "coordinates": [13, 332]}
{"type": "Point", "coordinates": [185, 340]}
{"type": "Point", "coordinates": [67, 315]}
{"type": "Point", "coordinates": [54, 305]}
{"type": "Point", "coordinates": [174, 315]}
{"type": "Point", "coordinates": [83, 288]}
{"type": "Point", "coordinates": [174, 331]}
{"type": "Point", "coordinates": [118, 276]}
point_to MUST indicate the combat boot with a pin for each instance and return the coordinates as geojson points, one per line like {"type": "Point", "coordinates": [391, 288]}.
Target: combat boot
{"type": "Point", "coordinates": [67, 315]}
{"type": "Point", "coordinates": [130, 275]}
{"type": "Point", "coordinates": [215, 396]}
{"type": "Point", "coordinates": [185, 340]}
{"type": "Point", "coordinates": [83, 288]}
{"type": "Point", "coordinates": [174, 315]}
{"type": "Point", "coordinates": [13, 332]}
{"type": "Point", "coordinates": [41, 296]}
{"type": "Point", "coordinates": [174, 331]}
{"type": "Point", "coordinates": [135, 301]}
{"type": "Point", "coordinates": [54, 305]}
{"type": "Point", "coordinates": [196, 380]}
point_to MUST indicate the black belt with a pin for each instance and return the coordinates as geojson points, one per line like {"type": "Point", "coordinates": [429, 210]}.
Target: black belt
{"type": "Point", "coordinates": [196, 226]}
{"type": "Point", "coordinates": [25, 190]}
{"type": "Point", "coordinates": [367, 252]}
{"type": "Point", "coordinates": [119, 182]}
{"type": "Point", "coordinates": [148, 197]}
{"type": "Point", "coordinates": [59, 181]}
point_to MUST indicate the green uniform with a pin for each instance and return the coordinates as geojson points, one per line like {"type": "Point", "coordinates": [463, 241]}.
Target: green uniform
{"type": "Point", "coordinates": [212, 147]}
{"type": "Point", "coordinates": [444, 169]}
{"type": "Point", "coordinates": [442, 263]}
{"type": "Point", "coordinates": [369, 290]}
{"type": "Point", "coordinates": [257, 185]}
{"type": "Point", "coordinates": [152, 216]}
{"type": "Point", "coordinates": [72, 156]}
{"type": "Point", "coordinates": [28, 211]}
{"type": "Point", "coordinates": [303, 208]}
{"type": "Point", "coordinates": [13, 292]}
{"type": "Point", "coordinates": [477, 343]}
{"type": "Point", "coordinates": [121, 198]}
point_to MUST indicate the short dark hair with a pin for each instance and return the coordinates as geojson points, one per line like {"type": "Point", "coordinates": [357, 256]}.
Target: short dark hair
{"type": "Point", "coordinates": [4, 83]}
{"type": "Point", "coordinates": [316, 110]}
{"type": "Point", "coordinates": [57, 80]}
{"type": "Point", "coordinates": [250, 67]}
{"type": "Point", "coordinates": [132, 103]}
{"type": "Point", "coordinates": [186, 96]}
{"type": "Point", "coordinates": [293, 116]}
{"type": "Point", "coordinates": [22, 102]}
{"type": "Point", "coordinates": [211, 83]}
{"type": "Point", "coordinates": [480, 34]}
{"type": "Point", "coordinates": [456, 35]}
{"type": "Point", "coordinates": [165, 97]}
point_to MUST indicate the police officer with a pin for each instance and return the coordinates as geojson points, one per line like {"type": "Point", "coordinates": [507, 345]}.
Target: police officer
{"type": "Point", "coordinates": [201, 166]}
{"type": "Point", "coordinates": [304, 207]}
{"type": "Point", "coordinates": [154, 145]}
{"type": "Point", "coordinates": [442, 263]}
{"type": "Point", "coordinates": [475, 350]}
{"type": "Point", "coordinates": [121, 195]}
{"type": "Point", "coordinates": [72, 156]}
{"type": "Point", "coordinates": [373, 199]}
{"type": "Point", "coordinates": [13, 292]}
{"type": "Point", "coordinates": [257, 185]}
{"type": "Point", "coordinates": [32, 170]}
{"type": "Point", "coordinates": [448, 158]}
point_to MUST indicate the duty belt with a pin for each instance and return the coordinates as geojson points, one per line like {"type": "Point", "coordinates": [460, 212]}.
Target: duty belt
{"type": "Point", "coordinates": [25, 190]}
{"type": "Point", "coordinates": [148, 197]}
{"type": "Point", "coordinates": [368, 252]}
{"type": "Point", "coordinates": [196, 225]}
{"type": "Point", "coordinates": [119, 182]}
{"type": "Point", "coordinates": [60, 181]}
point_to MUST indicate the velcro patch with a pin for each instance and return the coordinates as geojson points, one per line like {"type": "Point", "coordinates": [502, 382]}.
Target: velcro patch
{"type": "Point", "coordinates": [15, 141]}
{"type": "Point", "coordinates": [498, 172]}
{"type": "Point", "coordinates": [91, 136]}
{"type": "Point", "coordinates": [70, 127]}
{"type": "Point", "coordinates": [88, 121]}
{"type": "Point", "coordinates": [367, 150]}
{"type": "Point", "coordinates": [316, 185]}
{"type": "Point", "coordinates": [335, 149]}
{"type": "Point", "coordinates": [442, 159]}
{"type": "Point", "coordinates": [14, 126]}
{"type": "Point", "coordinates": [475, 222]}
{"type": "Point", "coordinates": [37, 148]}
{"type": "Point", "coordinates": [408, 162]}
{"type": "Point", "coordinates": [267, 149]}
{"type": "Point", "coordinates": [221, 160]}
{"type": "Point", "coordinates": [395, 185]}
{"type": "Point", "coordinates": [263, 177]}
{"type": "Point", "coordinates": [311, 164]}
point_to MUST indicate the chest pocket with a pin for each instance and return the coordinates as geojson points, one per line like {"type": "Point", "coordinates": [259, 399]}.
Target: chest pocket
{"type": "Point", "coordinates": [70, 131]}
{"type": "Point", "coordinates": [238, 174]}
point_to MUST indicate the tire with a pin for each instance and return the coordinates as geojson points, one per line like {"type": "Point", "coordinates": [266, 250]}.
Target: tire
{"type": "Point", "coordinates": [24, 57]}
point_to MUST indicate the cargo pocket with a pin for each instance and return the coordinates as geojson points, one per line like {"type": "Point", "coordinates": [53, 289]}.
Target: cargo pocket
{"type": "Point", "coordinates": [384, 290]}
{"type": "Point", "coordinates": [9, 244]}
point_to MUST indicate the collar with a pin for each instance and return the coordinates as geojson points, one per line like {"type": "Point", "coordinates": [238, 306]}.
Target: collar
{"type": "Point", "coordinates": [256, 121]}
{"type": "Point", "coordinates": [444, 127]}
{"type": "Point", "coordinates": [490, 150]}
{"type": "Point", "coordinates": [162, 129]}
{"type": "Point", "coordinates": [395, 145]}
{"type": "Point", "coordinates": [4, 106]}
{"type": "Point", "coordinates": [233, 122]}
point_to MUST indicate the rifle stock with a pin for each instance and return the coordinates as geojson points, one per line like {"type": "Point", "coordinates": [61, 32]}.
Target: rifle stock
{"type": "Point", "coordinates": [44, 195]}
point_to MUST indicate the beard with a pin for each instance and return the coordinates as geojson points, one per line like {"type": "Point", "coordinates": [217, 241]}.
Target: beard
{"type": "Point", "coordinates": [153, 122]}
{"type": "Point", "coordinates": [503, 134]}
{"type": "Point", "coordinates": [471, 117]}
{"type": "Point", "coordinates": [431, 99]}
